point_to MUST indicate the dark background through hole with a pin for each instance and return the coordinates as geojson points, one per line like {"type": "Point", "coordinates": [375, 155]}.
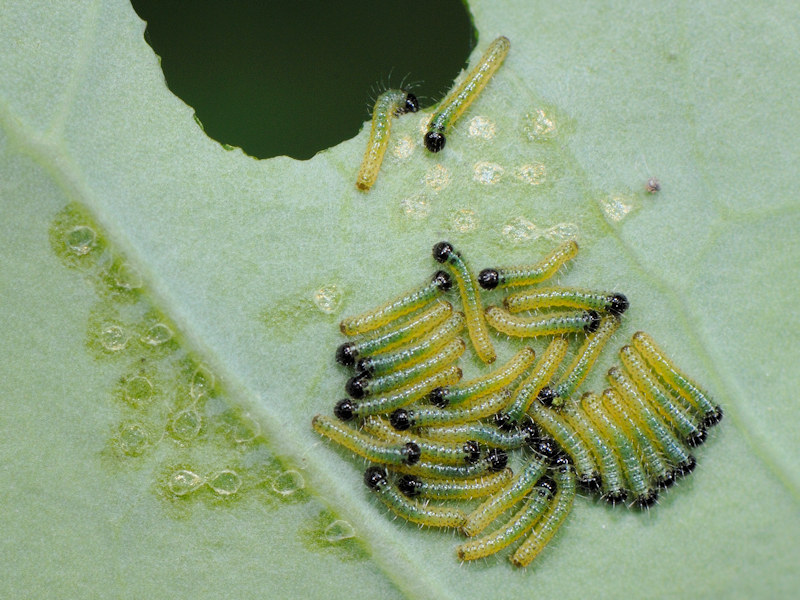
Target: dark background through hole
{"type": "Point", "coordinates": [294, 78]}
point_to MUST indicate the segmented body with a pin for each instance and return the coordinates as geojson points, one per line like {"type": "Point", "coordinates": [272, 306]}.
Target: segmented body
{"type": "Point", "coordinates": [457, 101]}
{"type": "Point", "coordinates": [389, 104]}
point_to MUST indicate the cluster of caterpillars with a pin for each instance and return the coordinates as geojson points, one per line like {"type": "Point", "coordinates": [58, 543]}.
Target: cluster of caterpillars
{"type": "Point", "coordinates": [393, 103]}
{"type": "Point", "coordinates": [440, 446]}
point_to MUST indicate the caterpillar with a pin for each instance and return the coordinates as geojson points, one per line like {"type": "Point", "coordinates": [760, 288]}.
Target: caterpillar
{"type": "Point", "coordinates": [393, 335]}
{"type": "Point", "coordinates": [611, 478]}
{"type": "Point", "coordinates": [411, 354]}
{"type": "Point", "coordinates": [506, 497]}
{"type": "Point", "coordinates": [494, 461]}
{"type": "Point", "coordinates": [532, 386]}
{"type": "Point", "coordinates": [362, 385]}
{"type": "Point", "coordinates": [552, 520]}
{"type": "Point", "coordinates": [487, 384]}
{"type": "Point", "coordinates": [584, 321]}
{"type": "Point", "coordinates": [643, 494]}
{"type": "Point", "coordinates": [516, 527]}
{"type": "Point", "coordinates": [489, 279]}
{"type": "Point", "coordinates": [660, 473]}
{"type": "Point", "coordinates": [402, 305]}
{"type": "Point", "coordinates": [507, 439]}
{"type": "Point", "coordinates": [403, 419]}
{"type": "Point", "coordinates": [443, 252]}
{"type": "Point", "coordinates": [364, 445]}
{"type": "Point", "coordinates": [454, 489]}
{"type": "Point", "coordinates": [610, 302]}
{"type": "Point", "coordinates": [457, 101]}
{"type": "Point", "coordinates": [447, 452]}
{"type": "Point", "coordinates": [582, 363]}
{"type": "Point", "coordinates": [389, 104]}
{"type": "Point", "coordinates": [347, 408]}
{"type": "Point", "coordinates": [636, 406]}
{"type": "Point", "coordinates": [712, 413]}
{"type": "Point", "coordinates": [377, 479]}
{"type": "Point", "coordinates": [671, 411]}
{"type": "Point", "coordinates": [569, 440]}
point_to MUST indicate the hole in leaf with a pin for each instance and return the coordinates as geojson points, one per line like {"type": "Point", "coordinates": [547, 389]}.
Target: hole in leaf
{"type": "Point", "coordinates": [294, 78]}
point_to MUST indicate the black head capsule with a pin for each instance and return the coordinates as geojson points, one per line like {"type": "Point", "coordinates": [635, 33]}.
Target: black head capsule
{"type": "Point", "coordinates": [687, 466]}
{"type": "Point", "coordinates": [365, 365]}
{"type": "Point", "coordinates": [411, 105]}
{"type": "Point", "coordinates": [548, 484]}
{"type": "Point", "coordinates": [411, 452]}
{"type": "Point", "coordinates": [438, 397]}
{"type": "Point", "coordinates": [345, 409]}
{"type": "Point", "coordinates": [647, 499]}
{"type": "Point", "coordinates": [561, 460]}
{"type": "Point", "coordinates": [667, 480]}
{"type": "Point", "coordinates": [615, 497]}
{"type": "Point", "coordinates": [488, 279]}
{"type": "Point", "coordinates": [592, 483]}
{"type": "Point", "coordinates": [546, 447]}
{"type": "Point", "coordinates": [434, 141]}
{"type": "Point", "coordinates": [346, 354]}
{"type": "Point", "coordinates": [356, 386]}
{"type": "Point", "coordinates": [547, 396]}
{"type": "Point", "coordinates": [697, 438]}
{"type": "Point", "coordinates": [617, 304]}
{"type": "Point", "coordinates": [497, 458]}
{"type": "Point", "coordinates": [374, 476]}
{"type": "Point", "coordinates": [409, 485]}
{"type": "Point", "coordinates": [713, 418]}
{"type": "Point", "coordinates": [401, 419]}
{"type": "Point", "coordinates": [442, 251]}
{"type": "Point", "coordinates": [442, 280]}
{"type": "Point", "coordinates": [472, 451]}
{"type": "Point", "coordinates": [594, 321]}
{"type": "Point", "coordinates": [529, 430]}
{"type": "Point", "coordinates": [502, 421]}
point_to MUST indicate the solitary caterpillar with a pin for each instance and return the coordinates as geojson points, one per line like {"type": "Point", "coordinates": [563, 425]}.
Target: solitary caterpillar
{"type": "Point", "coordinates": [459, 99]}
{"type": "Point", "coordinates": [390, 104]}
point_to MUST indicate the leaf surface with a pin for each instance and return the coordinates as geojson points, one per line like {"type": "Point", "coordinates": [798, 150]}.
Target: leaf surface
{"type": "Point", "coordinates": [231, 252]}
